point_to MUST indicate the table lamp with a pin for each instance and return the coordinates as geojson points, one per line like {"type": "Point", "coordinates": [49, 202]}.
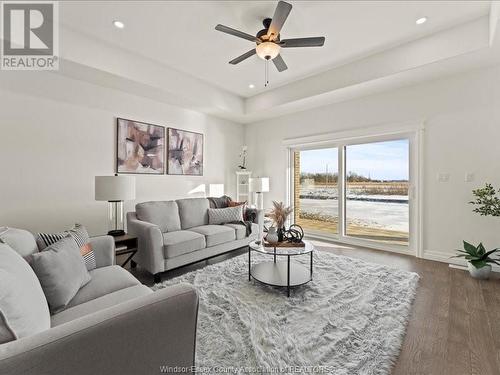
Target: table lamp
{"type": "Point", "coordinates": [115, 189]}
{"type": "Point", "coordinates": [259, 185]}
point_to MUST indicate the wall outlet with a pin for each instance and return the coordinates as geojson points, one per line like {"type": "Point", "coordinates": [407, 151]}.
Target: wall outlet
{"type": "Point", "coordinates": [469, 177]}
{"type": "Point", "coordinates": [443, 177]}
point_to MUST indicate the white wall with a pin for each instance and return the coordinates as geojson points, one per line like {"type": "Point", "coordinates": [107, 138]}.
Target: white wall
{"type": "Point", "coordinates": [462, 117]}
{"type": "Point", "coordinates": [58, 133]}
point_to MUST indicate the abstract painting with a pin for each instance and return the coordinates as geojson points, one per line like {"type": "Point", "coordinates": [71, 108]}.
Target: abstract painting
{"type": "Point", "coordinates": [185, 152]}
{"type": "Point", "coordinates": [140, 147]}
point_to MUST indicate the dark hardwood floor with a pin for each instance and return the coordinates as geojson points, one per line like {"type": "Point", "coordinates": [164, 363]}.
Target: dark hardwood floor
{"type": "Point", "coordinates": [454, 328]}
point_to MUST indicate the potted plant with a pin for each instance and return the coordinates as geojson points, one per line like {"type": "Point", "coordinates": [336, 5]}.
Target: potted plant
{"type": "Point", "coordinates": [487, 201]}
{"type": "Point", "coordinates": [478, 260]}
{"type": "Point", "coordinates": [279, 215]}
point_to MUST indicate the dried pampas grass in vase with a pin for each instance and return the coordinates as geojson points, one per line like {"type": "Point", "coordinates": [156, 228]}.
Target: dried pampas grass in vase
{"type": "Point", "coordinates": [279, 214]}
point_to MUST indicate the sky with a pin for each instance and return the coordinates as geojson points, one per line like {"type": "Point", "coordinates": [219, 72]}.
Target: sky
{"type": "Point", "coordinates": [380, 160]}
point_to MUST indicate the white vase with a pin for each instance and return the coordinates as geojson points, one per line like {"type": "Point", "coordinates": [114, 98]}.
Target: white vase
{"type": "Point", "coordinates": [482, 273]}
{"type": "Point", "coordinates": [272, 235]}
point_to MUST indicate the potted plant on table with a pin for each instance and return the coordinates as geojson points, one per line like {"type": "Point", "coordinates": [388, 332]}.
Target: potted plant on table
{"type": "Point", "coordinates": [279, 214]}
{"type": "Point", "coordinates": [478, 260]}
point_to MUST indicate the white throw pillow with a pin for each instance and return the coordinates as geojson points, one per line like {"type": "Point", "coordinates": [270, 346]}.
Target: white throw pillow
{"type": "Point", "coordinates": [225, 215]}
{"type": "Point", "coordinates": [23, 307]}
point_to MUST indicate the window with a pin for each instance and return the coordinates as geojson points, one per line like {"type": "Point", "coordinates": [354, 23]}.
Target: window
{"type": "Point", "coordinates": [316, 190]}
{"type": "Point", "coordinates": [376, 199]}
{"type": "Point", "coordinates": [359, 189]}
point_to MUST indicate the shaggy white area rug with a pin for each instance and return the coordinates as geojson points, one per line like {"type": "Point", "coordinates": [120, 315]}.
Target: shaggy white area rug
{"type": "Point", "coordinates": [350, 319]}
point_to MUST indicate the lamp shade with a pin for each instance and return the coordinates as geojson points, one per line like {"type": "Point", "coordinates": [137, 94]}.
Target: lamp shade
{"type": "Point", "coordinates": [259, 184]}
{"type": "Point", "coordinates": [114, 188]}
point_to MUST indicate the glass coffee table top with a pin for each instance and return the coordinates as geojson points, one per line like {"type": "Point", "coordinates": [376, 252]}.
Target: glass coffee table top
{"type": "Point", "coordinates": [282, 251]}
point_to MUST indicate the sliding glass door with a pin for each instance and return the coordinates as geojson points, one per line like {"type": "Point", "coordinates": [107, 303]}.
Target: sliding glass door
{"type": "Point", "coordinates": [356, 191]}
{"type": "Point", "coordinates": [316, 190]}
{"type": "Point", "coordinates": [376, 199]}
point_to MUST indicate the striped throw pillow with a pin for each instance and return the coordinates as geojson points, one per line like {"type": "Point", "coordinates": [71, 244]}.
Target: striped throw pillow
{"type": "Point", "coordinates": [81, 237]}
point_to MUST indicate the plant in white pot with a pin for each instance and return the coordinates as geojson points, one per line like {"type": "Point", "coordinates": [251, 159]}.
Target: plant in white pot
{"type": "Point", "coordinates": [487, 202]}
{"type": "Point", "coordinates": [478, 260]}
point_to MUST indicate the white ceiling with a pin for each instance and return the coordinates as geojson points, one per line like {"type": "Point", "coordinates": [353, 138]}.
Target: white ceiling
{"type": "Point", "coordinates": [181, 35]}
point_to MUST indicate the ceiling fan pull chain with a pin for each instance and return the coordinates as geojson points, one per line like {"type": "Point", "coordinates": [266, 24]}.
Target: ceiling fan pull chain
{"type": "Point", "coordinates": [267, 73]}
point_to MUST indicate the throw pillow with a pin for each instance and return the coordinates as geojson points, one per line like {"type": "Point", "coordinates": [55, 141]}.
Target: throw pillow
{"type": "Point", "coordinates": [219, 202]}
{"type": "Point", "coordinates": [235, 204]}
{"type": "Point", "coordinates": [251, 214]}
{"type": "Point", "coordinates": [23, 307]}
{"type": "Point", "coordinates": [81, 236]}
{"type": "Point", "coordinates": [225, 215]}
{"type": "Point", "coordinates": [61, 271]}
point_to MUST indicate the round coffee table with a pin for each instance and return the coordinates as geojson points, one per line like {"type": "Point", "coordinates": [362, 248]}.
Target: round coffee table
{"type": "Point", "coordinates": [281, 273]}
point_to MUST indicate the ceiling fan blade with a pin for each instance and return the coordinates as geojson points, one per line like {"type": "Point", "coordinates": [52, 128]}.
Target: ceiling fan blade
{"type": "Point", "coordinates": [239, 34]}
{"type": "Point", "coordinates": [303, 42]}
{"type": "Point", "coordinates": [245, 56]}
{"type": "Point", "coordinates": [279, 63]}
{"type": "Point", "coordinates": [280, 15]}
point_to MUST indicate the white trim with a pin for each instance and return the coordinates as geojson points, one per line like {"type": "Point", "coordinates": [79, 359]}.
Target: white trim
{"type": "Point", "coordinates": [439, 256]}
{"type": "Point", "coordinates": [352, 241]}
{"type": "Point", "coordinates": [411, 130]}
{"type": "Point", "coordinates": [325, 139]}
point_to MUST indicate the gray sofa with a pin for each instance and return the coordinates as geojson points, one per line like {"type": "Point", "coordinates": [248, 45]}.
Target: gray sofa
{"type": "Point", "coordinates": [176, 233]}
{"type": "Point", "coordinates": [114, 325]}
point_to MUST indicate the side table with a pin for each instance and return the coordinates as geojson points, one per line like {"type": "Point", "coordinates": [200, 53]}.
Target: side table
{"type": "Point", "coordinates": [126, 244]}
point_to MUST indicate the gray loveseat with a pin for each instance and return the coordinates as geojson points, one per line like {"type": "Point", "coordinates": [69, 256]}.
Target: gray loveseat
{"type": "Point", "coordinates": [176, 233]}
{"type": "Point", "coordinates": [114, 325]}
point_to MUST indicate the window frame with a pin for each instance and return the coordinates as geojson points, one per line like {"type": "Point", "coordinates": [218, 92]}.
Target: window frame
{"type": "Point", "coordinates": [413, 131]}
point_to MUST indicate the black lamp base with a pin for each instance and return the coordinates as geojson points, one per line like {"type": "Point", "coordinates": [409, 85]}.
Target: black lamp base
{"type": "Point", "coordinates": [116, 232]}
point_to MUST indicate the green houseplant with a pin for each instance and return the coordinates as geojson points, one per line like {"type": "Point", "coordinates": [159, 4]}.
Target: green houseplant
{"type": "Point", "coordinates": [487, 201]}
{"type": "Point", "coordinates": [478, 260]}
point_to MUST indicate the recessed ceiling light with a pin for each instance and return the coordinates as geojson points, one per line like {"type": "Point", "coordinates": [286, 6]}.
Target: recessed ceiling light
{"type": "Point", "coordinates": [251, 86]}
{"type": "Point", "coordinates": [421, 20]}
{"type": "Point", "coordinates": [119, 24]}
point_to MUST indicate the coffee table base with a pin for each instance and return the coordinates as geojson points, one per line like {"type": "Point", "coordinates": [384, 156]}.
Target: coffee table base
{"type": "Point", "coordinates": [282, 274]}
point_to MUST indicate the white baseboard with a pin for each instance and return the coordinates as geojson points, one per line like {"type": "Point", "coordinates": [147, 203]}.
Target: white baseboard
{"type": "Point", "coordinates": [457, 263]}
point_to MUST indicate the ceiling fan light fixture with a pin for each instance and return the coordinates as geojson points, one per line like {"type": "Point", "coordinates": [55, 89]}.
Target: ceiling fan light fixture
{"type": "Point", "coordinates": [268, 50]}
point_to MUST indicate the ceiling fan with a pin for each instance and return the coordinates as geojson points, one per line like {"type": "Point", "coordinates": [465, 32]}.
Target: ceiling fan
{"type": "Point", "coordinates": [268, 41]}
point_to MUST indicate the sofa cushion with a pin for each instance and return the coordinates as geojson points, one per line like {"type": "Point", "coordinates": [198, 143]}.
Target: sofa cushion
{"type": "Point", "coordinates": [164, 214]}
{"type": "Point", "coordinates": [216, 234]}
{"type": "Point", "coordinates": [20, 240]}
{"type": "Point", "coordinates": [100, 303]}
{"type": "Point", "coordinates": [241, 230]}
{"type": "Point", "coordinates": [23, 307]}
{"type": "Point", "coordinates": [182, 242]}
{"type": "Point", "coordinates": [61, 271]}
{"type": "Point", "coordinates": [193, 212]}
{"type": "Point", "coordinates": [104, 280]}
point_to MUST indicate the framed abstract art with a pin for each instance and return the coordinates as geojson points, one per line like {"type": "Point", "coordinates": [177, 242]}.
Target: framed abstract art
{"type": "Point", "coordinates": [140, 147]}
{"type": "Point", "coordinates": [185, 152]}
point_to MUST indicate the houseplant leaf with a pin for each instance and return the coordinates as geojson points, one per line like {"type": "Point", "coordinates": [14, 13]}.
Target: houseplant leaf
{"type": "Point", "coordinates": [469, 248]}
{"type": "Point", "coordinates": [478, 263]}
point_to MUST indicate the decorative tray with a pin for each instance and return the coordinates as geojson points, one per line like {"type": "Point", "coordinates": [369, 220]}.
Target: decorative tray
{"type": "Point", "coordinates": [283, 244]}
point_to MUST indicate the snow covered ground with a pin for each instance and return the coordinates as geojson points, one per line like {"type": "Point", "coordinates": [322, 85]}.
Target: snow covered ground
{"type": "Point", "coordinates": [371, 213]}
